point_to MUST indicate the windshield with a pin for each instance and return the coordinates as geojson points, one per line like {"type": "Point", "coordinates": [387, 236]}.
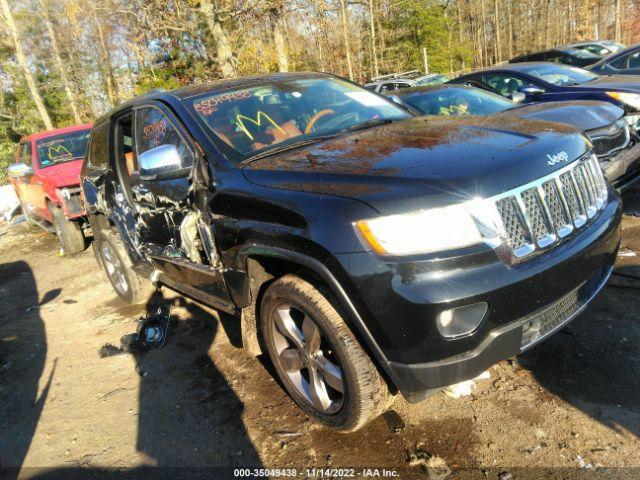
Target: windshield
{"type": "Point", "coordinates": [432, 80]}
{"type": "Point", "coordinates": [559, 74]}
{"type": "Point", "coordinates": [62, 148]}
{"type": "Point", "coordinates": [458, 101]}
{"type": "Point", "coordinates": [256, 119]}
{"type": "Point", "coordinates": [584, 54]}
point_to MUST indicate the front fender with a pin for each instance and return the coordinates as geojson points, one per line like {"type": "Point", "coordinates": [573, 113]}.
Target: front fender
{"type": "Point", "coordinates": [320, 269]}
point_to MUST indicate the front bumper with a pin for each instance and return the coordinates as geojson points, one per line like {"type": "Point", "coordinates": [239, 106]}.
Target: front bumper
{"type": "Point", "coordinates": [623, 169]}
{"type": "Point", "coordinates": [72, 204]}
{"type": "Point", "coordinates": [399, 304]}
{"type": "Point", "coordinates": [501, 343]}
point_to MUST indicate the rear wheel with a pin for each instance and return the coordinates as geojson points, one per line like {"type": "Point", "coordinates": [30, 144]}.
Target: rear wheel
{"type": "Point", "coordinates": [69, 233]}
{"type": "Point", "coordinates": [129, 286]}
{"type": "Point", "coordinates": [317, 357]}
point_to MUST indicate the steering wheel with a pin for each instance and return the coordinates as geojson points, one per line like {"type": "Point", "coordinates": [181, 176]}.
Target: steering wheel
{"type": "Point", "coordinates": [316, 117]}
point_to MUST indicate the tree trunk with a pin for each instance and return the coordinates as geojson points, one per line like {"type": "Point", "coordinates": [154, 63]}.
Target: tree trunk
{"type": "Point", "coordinates": [484, 32]}
{"type": "Point", "coordinates": [59, 63]}
{"type": "Point", "coordinates": [279, 42]}
{"type": "Point", "coordinates": [226, 59]}
{"type": "Point", "coordinates": [617, 20]}
{"type": "Point", "coordinates": [497, 25]}
{"type": "Point", "coordinates": [374, 52]}
{"type": "Point", "coordinates": [345, 35]}
{"type": "Point", "coordinates": [111, 89]}
{"type": "Point", "coordinates": [22, 61]}
{"type": "Point", "coordinates": [510, 28]}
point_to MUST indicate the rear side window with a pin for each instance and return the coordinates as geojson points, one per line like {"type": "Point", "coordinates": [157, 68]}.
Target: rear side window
{"type": "Point", "coordinates": [98, 148]}
{"type": "Point", "coordinates": [153, 128]}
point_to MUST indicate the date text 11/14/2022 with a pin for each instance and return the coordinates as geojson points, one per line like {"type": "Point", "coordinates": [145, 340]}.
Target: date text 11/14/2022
{"type": "Point", "coordinates": [365, 472]}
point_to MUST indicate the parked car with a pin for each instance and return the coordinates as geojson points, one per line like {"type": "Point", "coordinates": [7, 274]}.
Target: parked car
{"type": "Point", "coordinates": [599, 47]}
{"type": "Point", "coordinates": [393, 82]}
{"type": "Point", "coordinates": [623, 62]}
{"type": "Point", "coordinates": [46, 177]}
{"type": "Point", "coordinates": [618, 150]}
{"type": "Point", "coordinates": [550, 82]}
{"type": "Point", "coordinates": [372, 251]}
{"type": "Point", "coordinates": [567, 55]}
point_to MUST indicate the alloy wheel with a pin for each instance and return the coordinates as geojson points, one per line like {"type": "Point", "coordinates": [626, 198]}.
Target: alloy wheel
{"type": "Point", "coordinates": [114, 269]}
{"type": "Point", "coordinates": [308, 360]}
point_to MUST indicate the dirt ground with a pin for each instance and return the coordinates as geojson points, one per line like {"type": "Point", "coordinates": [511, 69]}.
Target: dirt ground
{"type": "Point", "coordinates": [570, 408]}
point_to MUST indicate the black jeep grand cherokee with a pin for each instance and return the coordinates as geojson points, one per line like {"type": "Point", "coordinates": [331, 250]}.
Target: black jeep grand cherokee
{"type": "Point", "coordinates": [369, 251]}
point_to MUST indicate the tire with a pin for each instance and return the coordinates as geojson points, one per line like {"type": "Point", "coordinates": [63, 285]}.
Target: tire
{"type": "Point", "coordinates": [68, 232]}
{"type": "Point", "coordinates": [130, 287]}
{"type": "Point", "coordinates": [345, 393]}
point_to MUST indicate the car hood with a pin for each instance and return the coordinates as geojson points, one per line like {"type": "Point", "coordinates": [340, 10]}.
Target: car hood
{"type": "Point", "coordinates": [63, 174]}
{"type": "Point", "coordinates": [425, 161]}
{"type": "Point", "coordinates": [607, 82]}
{"type": "Point", "coordinates": [586, 115]}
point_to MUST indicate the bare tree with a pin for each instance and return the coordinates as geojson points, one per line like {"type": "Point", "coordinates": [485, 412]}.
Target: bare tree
{"type": "Point", "coordinates": [22, 61]}
{"type": "Point", "coordinates": [374, 52]}
{"type": "Point", "coordinates": [225, 57]}
{"type": "Point", "coordinates": [59, 63]}
{"type": "Point", "coordinates": [345, 36]}
{"type": "Point", "coordinates": [276, 14]}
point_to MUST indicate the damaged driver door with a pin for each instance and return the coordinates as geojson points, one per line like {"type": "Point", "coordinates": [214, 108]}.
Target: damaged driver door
{"type": "Point", "coordinates": [172, 225]}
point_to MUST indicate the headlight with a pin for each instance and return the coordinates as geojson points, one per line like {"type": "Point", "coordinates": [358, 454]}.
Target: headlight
{"type": "Point", "coordinates": [431, 230]}
{"type": "Point", "coordinates": [631, 99]}
{"type": "Point", "coordinates": [633, 121]}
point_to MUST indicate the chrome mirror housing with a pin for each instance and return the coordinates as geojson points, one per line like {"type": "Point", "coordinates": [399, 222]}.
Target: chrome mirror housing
{"type": "Point", "coordinates": [161, 163]}
{"type": "Point", "coordinates": [19, 170]}
{"type": "Point", "coordinates": [518, 97]}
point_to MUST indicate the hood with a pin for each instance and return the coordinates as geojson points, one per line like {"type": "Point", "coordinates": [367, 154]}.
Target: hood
{"type": "Point", "coordinates": [586, 115]}
{"type": "Point", "coordinates": [446, 160]}
{"type": "Point", "coordinates": [606, 82]}
{"type": "Point", "coordinates": [63, 174]}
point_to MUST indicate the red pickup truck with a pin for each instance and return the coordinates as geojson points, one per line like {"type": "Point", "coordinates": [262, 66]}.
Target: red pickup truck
{"type": "Point", "coordinates": [46, 177]}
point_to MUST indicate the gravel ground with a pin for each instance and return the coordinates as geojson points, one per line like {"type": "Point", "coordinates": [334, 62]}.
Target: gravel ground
{"type": "Point", "coordinates": [570, 408]}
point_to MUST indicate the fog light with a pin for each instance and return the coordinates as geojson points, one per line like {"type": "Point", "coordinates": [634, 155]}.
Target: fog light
{"type": "Point", "coordinates": [460, 321]}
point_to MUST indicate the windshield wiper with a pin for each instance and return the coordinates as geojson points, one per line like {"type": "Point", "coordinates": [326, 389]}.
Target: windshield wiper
{"type": "Point", "coordinates": [285, 147]}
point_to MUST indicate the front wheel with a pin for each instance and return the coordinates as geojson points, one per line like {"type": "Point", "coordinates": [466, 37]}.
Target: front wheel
{"type": "Point", "coordinates": [68, 232]}
{"type": "Point", "coordinates": [317, 357]}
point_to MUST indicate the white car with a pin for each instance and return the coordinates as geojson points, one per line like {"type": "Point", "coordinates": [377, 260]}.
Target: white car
{"type": "Point", "coordinates": [396, 83]}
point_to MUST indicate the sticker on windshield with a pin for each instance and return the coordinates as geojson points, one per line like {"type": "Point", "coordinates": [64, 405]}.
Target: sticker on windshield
{"type": "Point", "coordinates": [209, 105]}
{"type": "Point", "coordinates": [58, 152]}
{"type": "Point", "coordinates": [367, 99]}
{"type": "Point", "coordinates": [260, 116]}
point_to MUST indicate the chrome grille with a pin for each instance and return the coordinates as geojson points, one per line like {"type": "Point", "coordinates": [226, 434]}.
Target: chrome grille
{"type": "Point", "coordinates": [537, 215]}
{"type": "Point", "coordinates": [509, 212]}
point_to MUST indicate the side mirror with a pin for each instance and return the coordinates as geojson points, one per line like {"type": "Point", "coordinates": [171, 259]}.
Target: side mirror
{"type": "Point", "coordinates": [531, 90]}
{"type": "Point", "coordinates": [161, 163]}
{"type": "Point", "coordinates": [396, 99]}
{"type": "Point", "coordinates": [19, 170]}
{"type": "Point", "coordinates": [518, 97]}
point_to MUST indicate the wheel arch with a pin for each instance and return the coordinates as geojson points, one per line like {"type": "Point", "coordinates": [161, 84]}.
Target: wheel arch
{"type": "Point", "coordinates": [264, 264]}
